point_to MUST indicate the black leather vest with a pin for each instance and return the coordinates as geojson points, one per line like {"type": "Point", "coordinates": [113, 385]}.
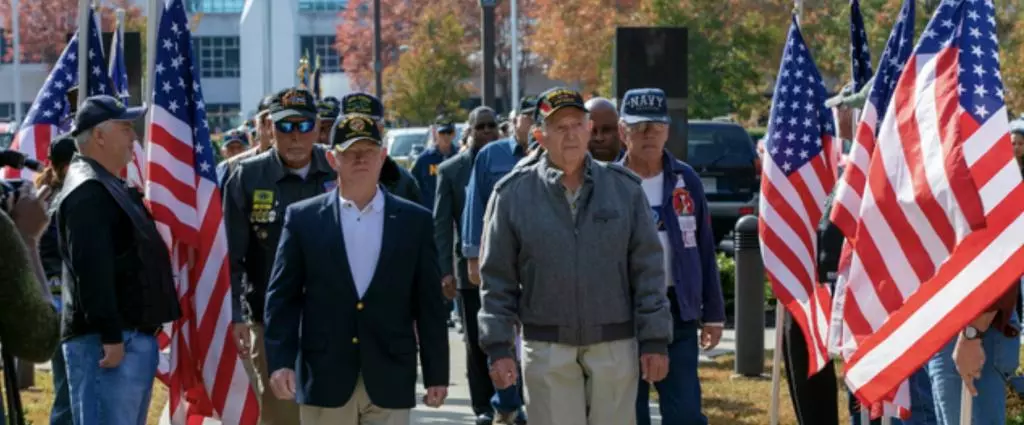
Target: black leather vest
{"type": "Point", "coordinates": [157, 298]}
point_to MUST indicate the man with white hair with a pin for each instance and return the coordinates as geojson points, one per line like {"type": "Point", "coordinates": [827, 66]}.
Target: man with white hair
{"type": "Point", "coordinates": [118, 285]}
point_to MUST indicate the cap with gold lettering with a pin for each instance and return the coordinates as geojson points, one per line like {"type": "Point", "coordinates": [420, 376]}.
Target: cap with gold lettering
{"type": "Point", "coordinates": [293, 102]}
{"type": "Point", "coordinates": [555, 99]}
{"type": "Point", "coordinates": [352, 128]}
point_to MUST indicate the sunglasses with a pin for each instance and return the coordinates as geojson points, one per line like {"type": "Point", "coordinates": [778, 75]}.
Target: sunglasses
{"type": "Point", "coordinates": [292, 126]}
{"type": "Point", "coordinates": [486, 126]}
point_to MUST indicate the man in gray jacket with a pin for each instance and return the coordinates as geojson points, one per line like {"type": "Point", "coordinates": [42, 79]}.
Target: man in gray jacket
{"type": "Point", "coordinates": [570, 251]}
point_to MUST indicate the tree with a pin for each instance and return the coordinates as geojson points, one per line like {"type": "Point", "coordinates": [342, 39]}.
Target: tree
{"type": "Point", "coordinates": [428, 78]}
{"type": "Point", "coordinates": [355, 36]}
{"type": "Point", "coordinates": [45, 25]}
{"type": "Point", "coordinates": [577, 40]}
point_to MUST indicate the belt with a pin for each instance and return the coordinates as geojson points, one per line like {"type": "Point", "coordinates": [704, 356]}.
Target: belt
{"type": "Point", "coordinates": [149, 330]}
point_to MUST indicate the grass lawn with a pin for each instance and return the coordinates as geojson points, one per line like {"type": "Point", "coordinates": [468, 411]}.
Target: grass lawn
{"type": "Point", "coordinates": [726, 400]}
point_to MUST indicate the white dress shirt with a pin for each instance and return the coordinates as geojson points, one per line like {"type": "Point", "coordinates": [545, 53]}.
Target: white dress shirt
{"type": "Point", "coordinates": [363, 232]}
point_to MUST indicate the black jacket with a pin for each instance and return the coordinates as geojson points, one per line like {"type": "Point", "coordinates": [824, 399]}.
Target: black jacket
{"type": "Point", "coordinates": [400, 182]}
{"type": "Point", "coordinates": [117, 269]}
{"type": "Point", "coordinates": [449, 201]}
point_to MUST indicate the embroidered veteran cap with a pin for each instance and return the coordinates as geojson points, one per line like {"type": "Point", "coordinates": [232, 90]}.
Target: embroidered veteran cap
{"type": "Point", "coordinates": [350, 129]}
{"type": "Point", "coordinates": [555, 99]}
{"type": "Point", "coordinates": [328, 108]}
{"type": "Point", "coordinates": [362, 103]}
{"type": "Point", "coordinates": [293, 102]}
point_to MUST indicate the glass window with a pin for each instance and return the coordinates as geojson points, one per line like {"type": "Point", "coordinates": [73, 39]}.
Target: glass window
{"type": "Point", "coordinates": [223, 116]}
{"type": "Point", "coordinates": [215, 6]}
{"type": "Point", "coordinates": [717, 144]}
{"type": "Point", "coordinates": [219, 57]}
{"type": "Point", "coordinates": [7, 111]}
{"type": "Point", "coordinates": [323, 45]}
{"type": "Point", "coordinates": [322, 5]}
{"type": "Point", "coordinates": [400, 144]}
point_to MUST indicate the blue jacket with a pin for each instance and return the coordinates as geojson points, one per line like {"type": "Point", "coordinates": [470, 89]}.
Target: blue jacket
{"type": "Point", "coordinates": [424, 169]}
{"type": "Point", "coordinates": [694, 267]}
{"type": "Point", "coordinates": [492, 163]}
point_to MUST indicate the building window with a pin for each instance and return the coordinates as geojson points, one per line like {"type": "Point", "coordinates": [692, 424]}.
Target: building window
{"type": "Point", "coordinates": [218, 56]}
{"type": "Point", "coordinates": [322, 45]}
{"type": "Point", "coordinates": [7, 111]}
{"type": "Point", "coordinates": [322, 5]}
{"type": "Point", "coordinates": [223, 116]}
{"type": "Point", "coordinates": [215, 6]}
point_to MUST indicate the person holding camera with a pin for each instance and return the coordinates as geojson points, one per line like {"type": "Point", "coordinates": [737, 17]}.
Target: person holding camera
{"type": "Point", "coordinates": [29, 324]}
{"type": "Point", "coordinates": [118, 286]}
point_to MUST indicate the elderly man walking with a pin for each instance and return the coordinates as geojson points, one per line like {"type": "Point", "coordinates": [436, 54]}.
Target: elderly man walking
{"type": "Point", "coordinates": [570, 251]}
{"type": "Point", "coordinates": [680, 212]}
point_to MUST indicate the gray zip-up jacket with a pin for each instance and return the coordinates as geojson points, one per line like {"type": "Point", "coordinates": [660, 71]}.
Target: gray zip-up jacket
{"type": "Point", "coordinates": [592, 279]}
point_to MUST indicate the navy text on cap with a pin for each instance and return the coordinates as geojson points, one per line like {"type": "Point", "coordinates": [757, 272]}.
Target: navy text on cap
{"type": "Point", "coordinates": [644, 105]}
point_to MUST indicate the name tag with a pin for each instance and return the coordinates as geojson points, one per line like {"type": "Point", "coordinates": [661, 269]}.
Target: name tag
{"type": "Point", "coordinates": [688, 223]}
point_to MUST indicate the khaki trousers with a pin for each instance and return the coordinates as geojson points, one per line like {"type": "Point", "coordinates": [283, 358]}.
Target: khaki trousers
{"type": "Point", "coordinates": [589, 385]}
{"type": "Point", "coordinates": [273, 411]}
{"type": "Point", "coordinates": [357, 411]}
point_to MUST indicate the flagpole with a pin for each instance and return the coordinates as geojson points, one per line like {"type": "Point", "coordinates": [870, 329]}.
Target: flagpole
{"type": "Point", "coordinates": [153, 10]}
{"type": "Point", "coordinates": [83, 50]}
{"type": "Point", "coordinates": [514, 10]}
{"type": "Point", "coordinates": [16, 27]}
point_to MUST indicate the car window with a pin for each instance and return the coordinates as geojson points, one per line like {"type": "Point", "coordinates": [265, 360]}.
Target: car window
{"type": "Point", "coordinates": [401, 144]}
{"type": "Point", "coordinates": [719, 145]}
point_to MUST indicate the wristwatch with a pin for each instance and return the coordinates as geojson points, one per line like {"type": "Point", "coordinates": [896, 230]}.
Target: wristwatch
{"type": "Point", "coordinates": [971, 333]}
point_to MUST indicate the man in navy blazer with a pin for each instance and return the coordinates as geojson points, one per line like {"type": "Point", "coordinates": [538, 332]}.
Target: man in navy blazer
{"type": "Point", "coordinates": [354, 281]}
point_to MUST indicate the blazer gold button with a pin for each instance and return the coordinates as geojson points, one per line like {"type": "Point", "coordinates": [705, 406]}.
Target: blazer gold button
{"type": "Point", "coordinates": [359, 306]}
{"type": "Point", "coordinates": [355, 340]}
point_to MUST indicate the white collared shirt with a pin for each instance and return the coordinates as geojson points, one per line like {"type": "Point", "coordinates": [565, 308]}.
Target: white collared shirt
{"type": "Point", "coordinates": [363, 232]}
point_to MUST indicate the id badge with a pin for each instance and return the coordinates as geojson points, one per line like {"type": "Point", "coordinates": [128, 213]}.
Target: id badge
{"type": "Point", "coordinates": [689, 239]}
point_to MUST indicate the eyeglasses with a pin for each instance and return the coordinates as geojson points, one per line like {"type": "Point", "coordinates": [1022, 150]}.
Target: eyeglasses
{"type": "Point", "coordinates": [292, 126]}
{"type": "Point", "coordinates": [645, 127]}
{"type": "Point", "coordinates": [486, 126]}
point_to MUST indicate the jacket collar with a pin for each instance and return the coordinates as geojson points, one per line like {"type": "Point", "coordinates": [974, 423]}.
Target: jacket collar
{"type": "Point", "coordinates": [552, 175]}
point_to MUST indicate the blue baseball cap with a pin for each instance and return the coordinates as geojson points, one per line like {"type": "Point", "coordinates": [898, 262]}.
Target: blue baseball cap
{"type": "Point", "coordinates": [644, 105]}
{"type": "Point", "coordinates": [99, 109]}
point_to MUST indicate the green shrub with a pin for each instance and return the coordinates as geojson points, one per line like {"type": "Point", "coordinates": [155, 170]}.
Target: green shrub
{"type": "Point", "coordinates": [727, 276]}
{"type": "Point", "coordinates": [757, 133]}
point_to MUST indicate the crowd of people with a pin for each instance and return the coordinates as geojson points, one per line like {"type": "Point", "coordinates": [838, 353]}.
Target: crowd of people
{"type": "Point", "coordinates": [576, 250]}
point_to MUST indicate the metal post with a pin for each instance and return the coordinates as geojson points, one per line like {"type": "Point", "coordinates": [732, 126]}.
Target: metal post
{"type": "Point", "coordinates": [749, 304]}
{"type": "Point", "coordinates": [487, 24]}
{"type": "Point", "coordinates": [83, 50]}
{"type": "Point", "coordinates": [514, 66]}
{"type": "Point", "coordinates": [155, 10]}
{"type": "Point", "coordinates": [16, 27]}
{"type": "Point", "coordinates": [378, 65]}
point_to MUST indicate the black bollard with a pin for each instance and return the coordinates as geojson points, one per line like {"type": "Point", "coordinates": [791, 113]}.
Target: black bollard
{"type": "Point", "coordinates": [749, 303]}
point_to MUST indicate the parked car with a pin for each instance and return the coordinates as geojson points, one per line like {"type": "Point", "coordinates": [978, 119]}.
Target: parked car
{"type": "Point", "coordinates": [724, 156]}
{"type": "Point", "coordinates": [6, 134]}
{"type": "Point", "coordinates": [405, 144]}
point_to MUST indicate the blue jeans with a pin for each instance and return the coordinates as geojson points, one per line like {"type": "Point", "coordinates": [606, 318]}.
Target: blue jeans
{"type": "Point", "coordinates": [922, 407]}
{"type": "Point", "coordinates": [116, 396]}
{"type": "Point", "coordinates": [989, 407]}
{"type": "Point", "coordinates": [60, 414]}
{"type": "Point", "coordinates": [679, 393]}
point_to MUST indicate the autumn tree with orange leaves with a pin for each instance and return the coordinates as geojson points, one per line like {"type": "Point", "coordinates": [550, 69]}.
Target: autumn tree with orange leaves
{"type": "Point", "coordinates": [398, 20]}
{"type": "Point", "coordinates": [45, 26]}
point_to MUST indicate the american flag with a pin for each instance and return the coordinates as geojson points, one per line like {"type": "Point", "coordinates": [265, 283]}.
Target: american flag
{"type": "Point", "coordinates": [49, 112]}
{"type": "Point", "coordinates": [205, 375]}
{"type": "Point", "coordinates": [859, 49]}
{"type": "Point", "coordinates": [943, 178]}
{"type": "Point", "coordinates": [119, 78]}
{"type": "Point", "coordinates": [797, 178]}
{"type": "Point", "coordinates": [849, 324]}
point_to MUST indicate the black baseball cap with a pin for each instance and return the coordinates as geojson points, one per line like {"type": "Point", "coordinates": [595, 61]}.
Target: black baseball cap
{"type": "Point", "coordinates": [350, 129]}
{"type": "Point", "coordinates": [362, 103]}
{"type": "Point", "coordinates": [265, 103]}
{"type": "Point", "coordinates": [555, 99]}
{"type": "Point", "coordinates": [62, 149]}
{"type": "Point", "coordinates": [328, 108]}
{"type": "Point", "coordinates": [444, 124]}
{"type": "Point", "coordinates": [102, 108]}
{"type": "Point", "coordinates": [527, 104]}
{"type": "Point", "coordinates": [235, 136]}
{"type": "Point", "coordinates": [293, 102]}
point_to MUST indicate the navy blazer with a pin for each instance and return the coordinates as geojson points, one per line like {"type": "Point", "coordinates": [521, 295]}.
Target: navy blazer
{"type": "Point", "coordinates": [316, 324]}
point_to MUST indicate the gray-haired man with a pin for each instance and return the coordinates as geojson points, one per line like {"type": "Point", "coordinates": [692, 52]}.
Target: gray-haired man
{"type": "Point", "coordinates": [571, 252]}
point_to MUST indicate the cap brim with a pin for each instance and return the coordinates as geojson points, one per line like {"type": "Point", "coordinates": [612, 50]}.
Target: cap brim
{"type": "Point", "coordinates": [348, 143]}
{"type": "Point", "coordinates": [637, 119]}
{"type": "Point", "coordinates": [446, 129]}
{"type": "Point", "coordinates": [132, 114]}
{"type": "Point", "coordinates": [291, 113]}
{"type": "Point", "coordinates": [239, 141]}
{"type": "Point", "coordinates": [553, 110]}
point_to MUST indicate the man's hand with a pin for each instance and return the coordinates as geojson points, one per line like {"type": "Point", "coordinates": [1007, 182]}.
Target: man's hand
{"type": "Point", "coordinates": [504, 373]}
{"type": "Point", "coordinates": [282, 382]}
{"type": "Point", "coordinates": [653, 367]}
{"type": "Point", "coordinates": [112, 355]}
{"type": "Point", "coordinates": [435, 396]}
{"type": "Point", "coordinates": [29, 212]}
{"type": "Point", "coordinates": [448, 287]}
{"type": "Point", "coordinates": [969, 357]}
{"type": "Point", "coordinates": [709, 336]}
{"type": "Point", "coordinates": [240, 333]}
{"type": "Point", "coordinates": [474, 271]}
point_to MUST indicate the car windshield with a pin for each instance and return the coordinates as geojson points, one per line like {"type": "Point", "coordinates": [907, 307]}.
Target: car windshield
{"type": "Point", "coordinates": [719, 145]}
{"type": "Point", "coordinates": [401, 144]}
